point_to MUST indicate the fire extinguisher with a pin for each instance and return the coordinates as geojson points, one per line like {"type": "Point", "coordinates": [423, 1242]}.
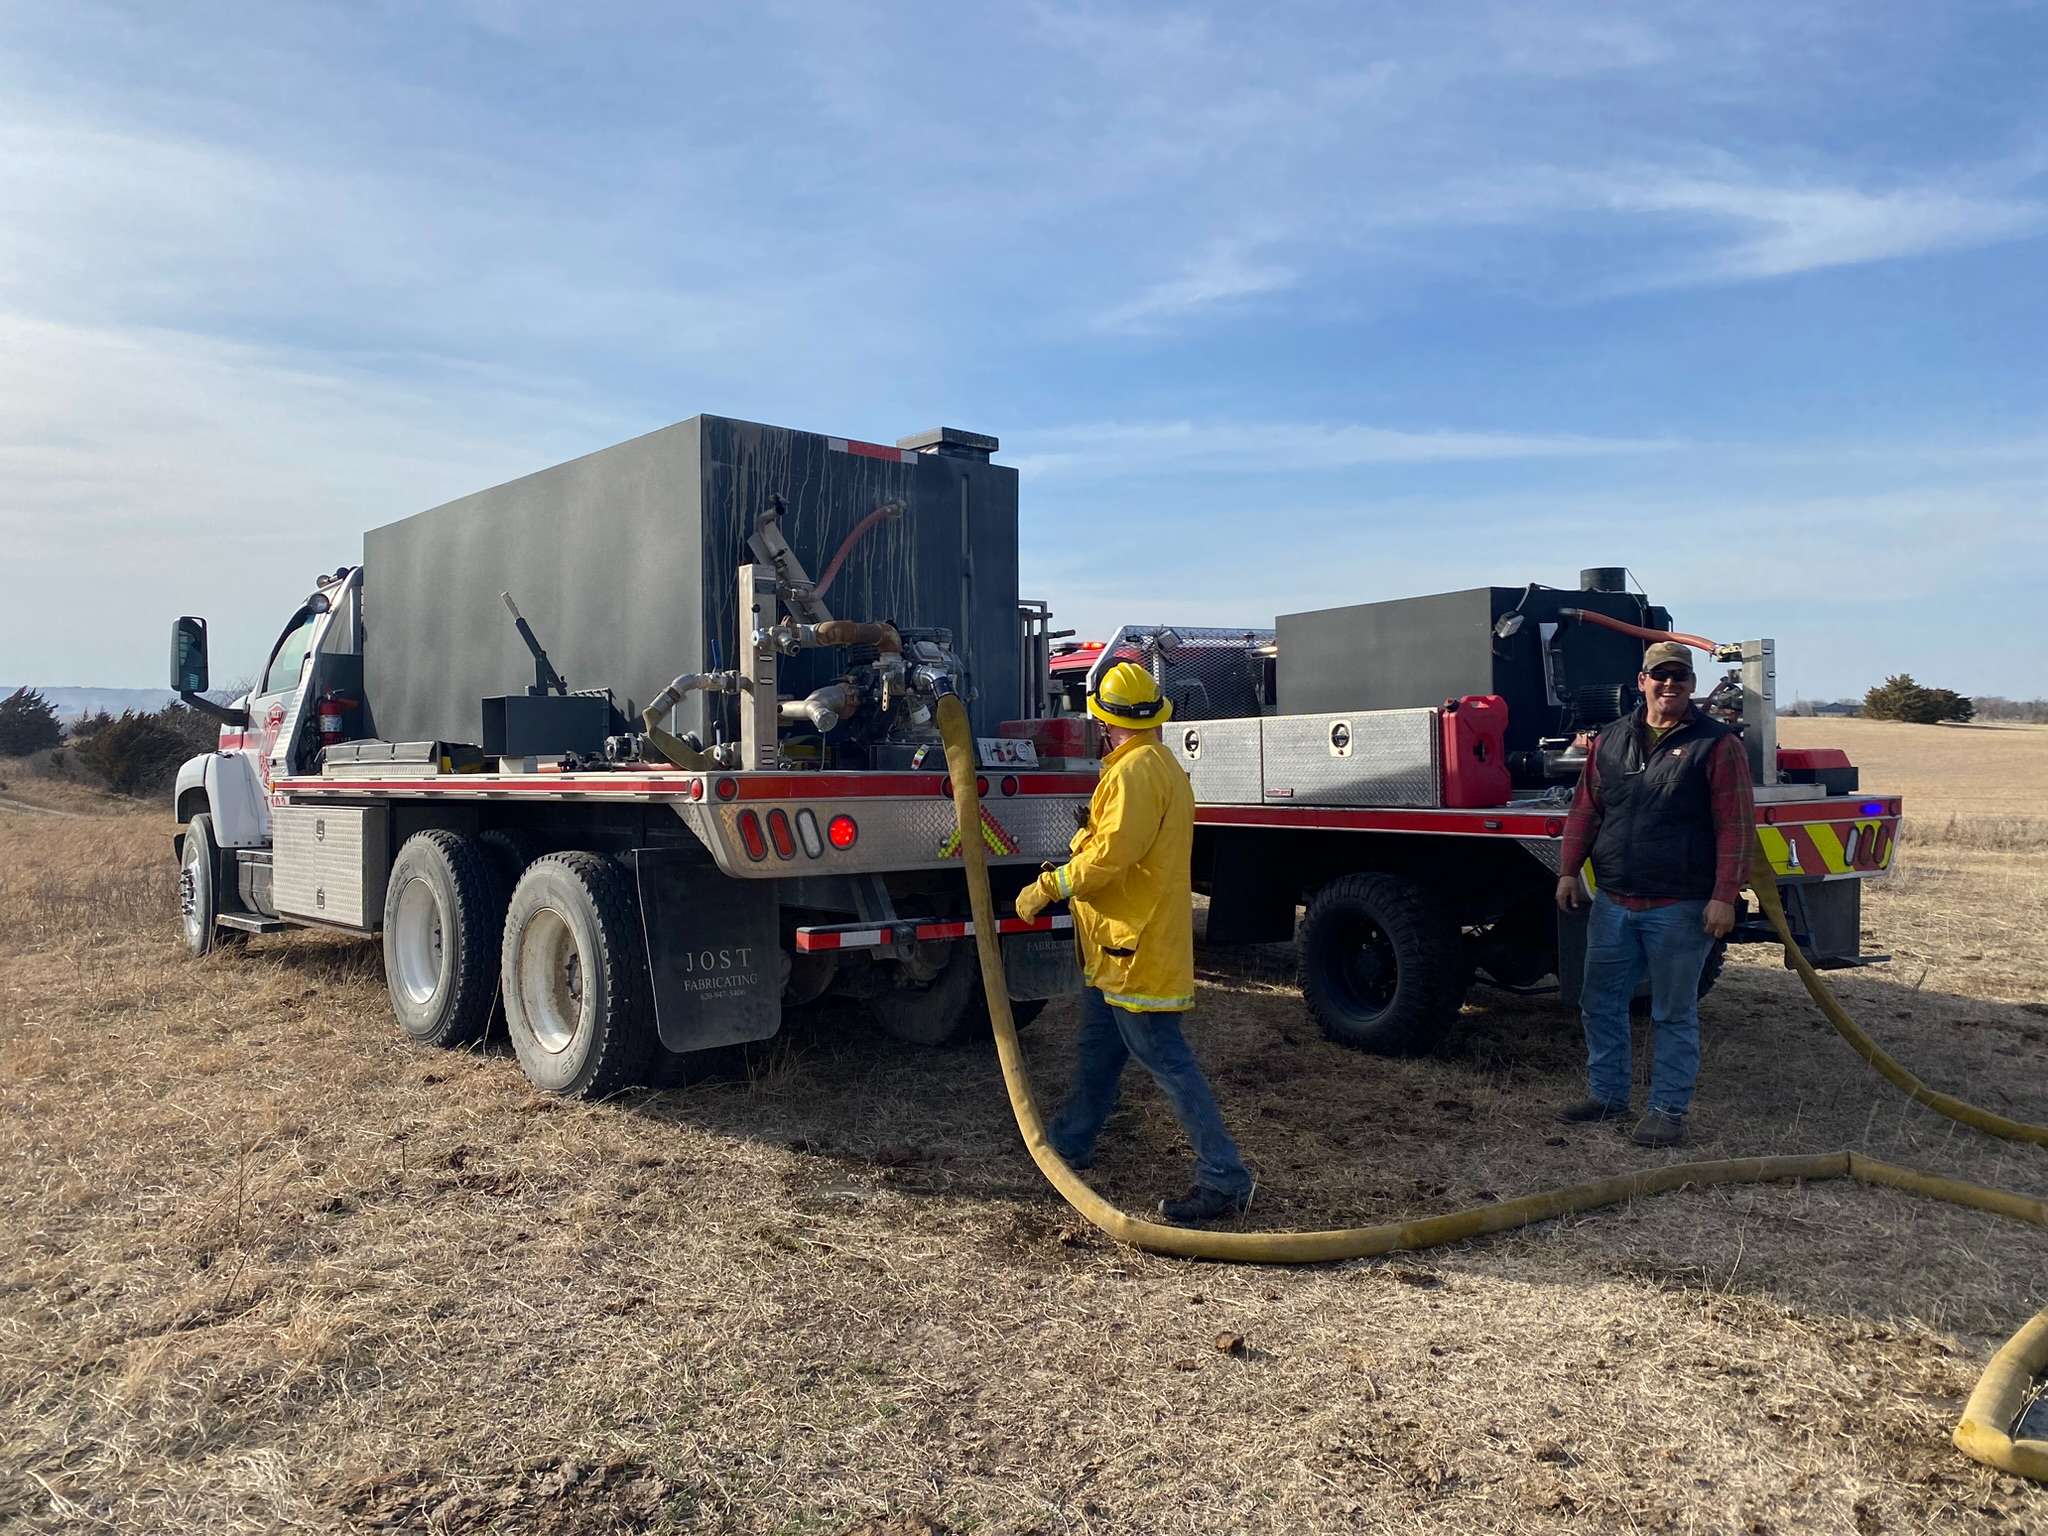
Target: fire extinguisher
{"type": "Point", "coordinates": [332, 706]}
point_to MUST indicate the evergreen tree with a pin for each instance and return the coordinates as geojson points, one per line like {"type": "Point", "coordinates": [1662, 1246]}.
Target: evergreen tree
{"type": "Point", "coordinates": [28, 723]}
{"type": "Point", "coordinates": [1896, 698]}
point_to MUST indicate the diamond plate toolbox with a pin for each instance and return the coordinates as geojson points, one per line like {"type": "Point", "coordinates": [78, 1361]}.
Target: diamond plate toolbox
{"type": "Point", "coordinates": [1221, 757]}
{"type": "Point", "coordinates": [330, 863]}
{"type": "Point", "coordinates": [1367, 757]}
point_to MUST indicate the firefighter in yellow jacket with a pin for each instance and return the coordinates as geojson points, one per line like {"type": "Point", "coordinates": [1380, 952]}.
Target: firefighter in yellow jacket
{"type": "Point", "coordinates": [1129, 885]}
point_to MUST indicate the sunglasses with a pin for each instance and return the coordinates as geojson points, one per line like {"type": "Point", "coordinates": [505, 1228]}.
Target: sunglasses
{"type": "Point", "coordinates": [1672, 674]}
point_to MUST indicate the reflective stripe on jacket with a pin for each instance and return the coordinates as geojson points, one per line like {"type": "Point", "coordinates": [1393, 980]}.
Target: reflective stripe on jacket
{"type": "Point", "coordinates": [1129, 884]}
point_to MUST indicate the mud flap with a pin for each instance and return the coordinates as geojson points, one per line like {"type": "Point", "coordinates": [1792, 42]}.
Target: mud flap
{"type": "Point", "coordinates": [713, 951]}
{"type": "Point", "coordinates": [1040, 965]}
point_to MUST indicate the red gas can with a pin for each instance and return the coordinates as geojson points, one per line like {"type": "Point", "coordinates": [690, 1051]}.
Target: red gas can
{"type": "Point", "coordinates": [1475, 730]}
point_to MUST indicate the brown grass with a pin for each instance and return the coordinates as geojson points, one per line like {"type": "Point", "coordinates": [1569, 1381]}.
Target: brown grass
{"type": "Point", "coordinates": [264, 1267]}
{"type": "Point", "coordinates": [1970, 786]}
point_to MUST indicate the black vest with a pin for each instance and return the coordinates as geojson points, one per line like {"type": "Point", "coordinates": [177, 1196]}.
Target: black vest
{"type": "Point", "coordinates": [1657, 822]}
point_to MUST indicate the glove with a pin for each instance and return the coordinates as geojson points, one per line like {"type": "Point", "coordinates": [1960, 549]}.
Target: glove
{"type": "Point", "coordinates": [1032, 900]}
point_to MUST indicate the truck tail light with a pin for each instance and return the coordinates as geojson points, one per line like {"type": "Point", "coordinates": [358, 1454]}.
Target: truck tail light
{"type": "Point", "coordinates": [843, 832]}
{"type": "Point", "coordinates": [779, 834]}
{"type": "Point", "coordinates": [750, 836]}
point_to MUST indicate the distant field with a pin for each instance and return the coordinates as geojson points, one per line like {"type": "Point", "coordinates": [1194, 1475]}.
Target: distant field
{"type": "Point", "coordinates": [266, 1267]}
{"type": "Point", "coordinates": [1975, 785]}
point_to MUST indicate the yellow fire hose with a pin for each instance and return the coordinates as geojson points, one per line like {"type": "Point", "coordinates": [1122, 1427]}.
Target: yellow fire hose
{"type": "Point", "coordinates": [1994, 1407]}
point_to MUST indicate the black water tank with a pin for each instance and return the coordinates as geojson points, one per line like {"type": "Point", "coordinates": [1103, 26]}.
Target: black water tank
{"type": "Point", "coordinates": [1604, 578]}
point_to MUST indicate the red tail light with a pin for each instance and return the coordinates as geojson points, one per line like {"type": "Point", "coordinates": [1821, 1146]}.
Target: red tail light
{"type": "Point", "coordinates": [750, 835]}
{"type": "Point", "coordinates": [779, 834]}
{"type": "Point", "coordinates": [841, 832]}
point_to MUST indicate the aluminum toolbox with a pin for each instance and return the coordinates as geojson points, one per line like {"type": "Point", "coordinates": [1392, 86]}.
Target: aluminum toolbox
{"type": "Point", "coordinates": [329, 864]}
{"type": "Point", "coordinates": [1221, 757]}
{"type": "Point", "coordinates": [1361, 757]}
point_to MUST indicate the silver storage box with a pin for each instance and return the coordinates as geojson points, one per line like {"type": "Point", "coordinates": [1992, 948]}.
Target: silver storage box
{"type": "Point", "coordinates": [330, 863]}
{"type": "Point", "coordinates": [1365, 757]}
{"type": "Point", "coordinates": [1221, 757]}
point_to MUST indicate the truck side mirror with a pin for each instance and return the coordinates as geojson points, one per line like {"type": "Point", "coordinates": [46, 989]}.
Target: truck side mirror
{"type": "Point", "coordinates": [188, 655]}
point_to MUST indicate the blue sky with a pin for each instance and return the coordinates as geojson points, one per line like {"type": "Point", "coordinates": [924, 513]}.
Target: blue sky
{"type": "Point", "coordinates": [1274, 307]}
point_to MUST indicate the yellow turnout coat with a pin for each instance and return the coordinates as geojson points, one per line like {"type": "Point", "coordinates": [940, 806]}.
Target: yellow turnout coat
{"type": "Point", "coordinates": [1129, 884]}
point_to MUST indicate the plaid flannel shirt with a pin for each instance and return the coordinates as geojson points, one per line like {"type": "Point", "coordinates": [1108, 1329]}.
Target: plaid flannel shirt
{"type": "Point", "coordinates": [1734, 812]}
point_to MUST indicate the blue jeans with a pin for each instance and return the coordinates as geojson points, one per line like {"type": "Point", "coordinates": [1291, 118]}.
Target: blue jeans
{"type": "Point", "coordinates": [1109, 1038]}
{"type": "Point", "coordinates": [1620, 943]}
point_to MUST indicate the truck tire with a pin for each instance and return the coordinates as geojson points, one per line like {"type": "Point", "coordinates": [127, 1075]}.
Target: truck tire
{"type": "Point", "coordinates": [444, 914]}
{"type": "Point", "coordinates": [1382, 968]}
{"type": "Point", "coordinates": [950, 1009]}
{"type": "Point", "coordinates": [574, 977]}
{"type": "Point", "coordinates": [200, 878]}
{"type": "Point", "coordinates": [510, 852]}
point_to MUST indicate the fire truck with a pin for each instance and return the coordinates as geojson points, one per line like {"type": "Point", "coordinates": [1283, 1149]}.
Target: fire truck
{"type": "Point", "coordinates": [742, 808]}
{"type": "Point", "coordinates": [1386, 785]}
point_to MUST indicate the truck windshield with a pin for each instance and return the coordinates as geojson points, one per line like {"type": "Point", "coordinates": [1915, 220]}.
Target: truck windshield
{"type": "Point", "coordinates": [290, 655]}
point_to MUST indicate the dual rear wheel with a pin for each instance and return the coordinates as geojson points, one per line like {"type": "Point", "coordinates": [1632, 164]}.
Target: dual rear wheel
{"type": "Point", "coordinates": [475, 927]}
{"type": "Point", "coordinates": [479, 928]}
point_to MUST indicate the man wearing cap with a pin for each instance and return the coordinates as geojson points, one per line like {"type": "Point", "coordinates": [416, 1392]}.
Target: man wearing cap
{"type": "Point", "coordinates": [1130, 886]}
{"type": "Point", "coordinates": [1664, 811]}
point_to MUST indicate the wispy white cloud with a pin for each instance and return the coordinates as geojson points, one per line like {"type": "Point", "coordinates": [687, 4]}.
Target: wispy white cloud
{"type": "Point", "coordinates": [1123, 449]}
{"type": "Point", "coordinates": [1225, 274]}
{"type": "Point", "coordinates": [141, 470]}
{"type": "Point", "coordinates": [1780, 229]}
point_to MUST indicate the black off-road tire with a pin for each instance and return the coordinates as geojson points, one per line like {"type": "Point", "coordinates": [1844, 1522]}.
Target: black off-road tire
{"type": "Point", "coordinates": [202, 871]}
{"type": "Point", "coordinates": [444, 915]}
{"type": "Point", "coordinates": [574, 976]}
{"type": "Point", "coordinates": [1382, 967]}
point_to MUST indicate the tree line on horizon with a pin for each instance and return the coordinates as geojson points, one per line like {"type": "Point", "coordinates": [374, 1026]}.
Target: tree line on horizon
{"type": "Point", "coordinates": [137, 752]}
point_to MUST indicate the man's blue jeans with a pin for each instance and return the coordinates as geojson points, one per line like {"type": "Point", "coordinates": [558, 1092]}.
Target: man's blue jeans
{"type": "Point", "coordinates": [1620, 945]}
{"type": "Point", "coordinates": [1109, 1038]}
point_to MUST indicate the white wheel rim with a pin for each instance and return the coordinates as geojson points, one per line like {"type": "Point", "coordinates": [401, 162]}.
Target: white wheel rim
{"type": "Point", "coordinates": [192, 891]}
{"type": "Point", "coordinates": [550, 976]}
{"type": "Point", "coordinates": [417, 938]}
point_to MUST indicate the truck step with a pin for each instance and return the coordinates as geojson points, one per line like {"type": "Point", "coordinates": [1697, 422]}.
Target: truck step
{"type": "Point", "coordinates": [249, 924]}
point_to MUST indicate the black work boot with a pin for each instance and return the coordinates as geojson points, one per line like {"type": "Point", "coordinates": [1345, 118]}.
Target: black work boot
{"type": "Point", "coordinates": [1203, 1204]}
{"type": "Point", "coordinates": [1590, 1111]}
{"type": "Point", "coordinates": [1659, 1129]}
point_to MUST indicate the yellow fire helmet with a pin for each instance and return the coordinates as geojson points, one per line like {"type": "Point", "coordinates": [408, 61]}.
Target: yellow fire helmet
{"type": "Point", "coordinates": [1128, 697]}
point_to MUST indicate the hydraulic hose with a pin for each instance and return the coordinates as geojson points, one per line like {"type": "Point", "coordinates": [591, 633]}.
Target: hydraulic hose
{"type": "Point", "coordinates": [1993, 1409]}
{"type": "Point", "coordinates": [1622, 626]}
{"type": "Point", "coordinates": [1764, 881]}
{"type": "Point", "coordinates": [886, 510]}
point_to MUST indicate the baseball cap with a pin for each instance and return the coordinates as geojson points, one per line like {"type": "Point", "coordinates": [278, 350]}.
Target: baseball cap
{"type": "Point", "coordinates": [1666, 653]}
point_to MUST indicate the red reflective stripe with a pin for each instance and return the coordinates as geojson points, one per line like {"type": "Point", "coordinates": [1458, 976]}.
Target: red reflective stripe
{"type": "Point", "coordinates": [1056, 783]}
{"type": "Point", "coordinates": [1847, 808]}
{"type": "Point", "coordinates": [858, 936]}
{"type": "Point", "coordinates": [826, 786]}
{"type": "Point", "coordinates": [1334, 819]}
{"type": "Point", "coordinates": [872, 450]}
{"type": "Point", "coordinates": [765, 786]}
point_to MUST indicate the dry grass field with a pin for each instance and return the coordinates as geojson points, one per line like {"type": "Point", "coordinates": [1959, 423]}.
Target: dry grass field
{"type": "Point", "coordinates": [264, 1267]}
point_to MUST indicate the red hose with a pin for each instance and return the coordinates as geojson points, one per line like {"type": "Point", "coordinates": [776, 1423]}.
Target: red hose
{"type": "Point", "coordinates": [1586, 615]}
{"type": "Point", "coordinates": [886, 509]}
